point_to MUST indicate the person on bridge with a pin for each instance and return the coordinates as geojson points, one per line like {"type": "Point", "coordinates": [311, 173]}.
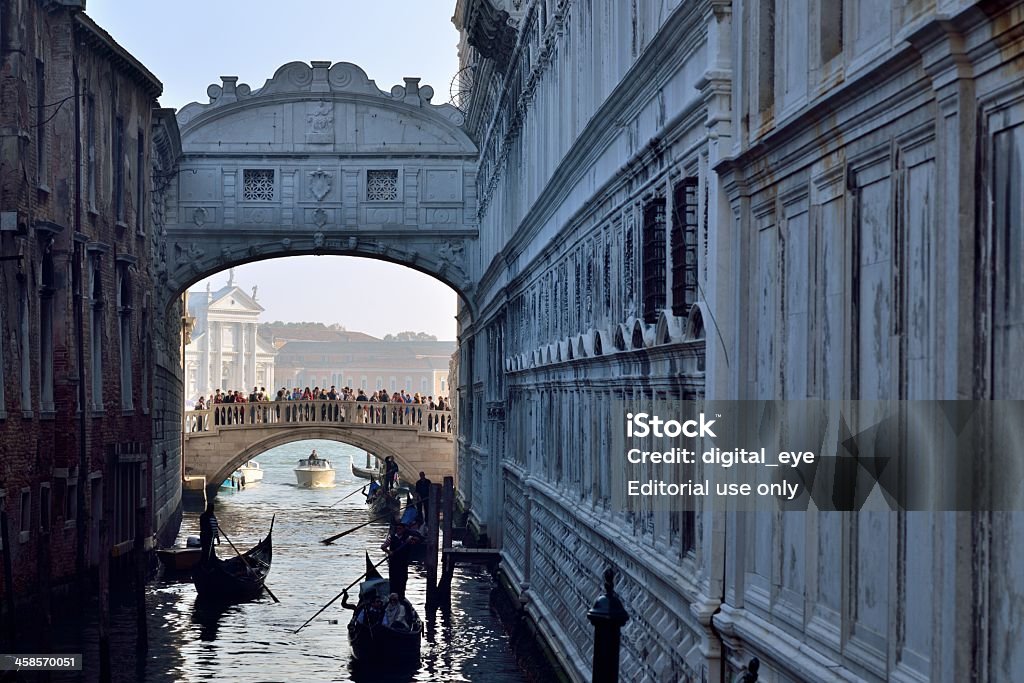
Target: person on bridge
{"type": "Point", "coordinates": [209, 531]}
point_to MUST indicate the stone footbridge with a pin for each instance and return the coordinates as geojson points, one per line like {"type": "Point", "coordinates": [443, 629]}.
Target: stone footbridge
{"type": "Point", "coordinates": [221, 438]}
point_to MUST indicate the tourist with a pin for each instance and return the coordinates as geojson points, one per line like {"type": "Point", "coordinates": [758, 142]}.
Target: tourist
{"type": "Point", "coordinates": [395, 614]}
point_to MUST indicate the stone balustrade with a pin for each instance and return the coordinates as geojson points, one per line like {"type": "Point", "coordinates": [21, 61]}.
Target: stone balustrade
{"type": "Point", "coordinates": [230, 416]}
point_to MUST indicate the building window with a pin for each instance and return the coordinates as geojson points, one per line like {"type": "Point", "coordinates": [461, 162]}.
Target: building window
{"type": "Point", "coordinates": [382, 185]}
{"type": "Point", "coordinates": [444, 387]}
{"type": "Point", "coordinates": [3, 401]}
{"type": "Point", "coordinates": [766, 55]}
{"type": "Point", "coordinates": [140, 185]}
{"type": "Point", "coordinates": [258, 184]}
{"type": "Point", "coordinates": [118, 166]}
{"type": "Point", "coordinates": [654, 259]}
{"type": "Point", "coordinates": [41, 121]}
{"type": "Point", "coordinates": [71, 501]}
{"type": "Point", "coordinates": [90, 152]}
{"type": "Point", "coordinates": [128, 498]}
{"type": "Point", "coordinates": [46, 293]}
{"type": "Point", "coordinates": [25, 347]}
{"type": "Point", "coordinates": [684, 247]}
{"type": "Point", "coordinates": [145, 340]}
{"type": "Point", "coordinates": [423, 385]}
{"type": "Point", "coordinates": [96, 331]}
{"type": "Point", "coordinates": [393, 384]}
{"type": "Point", "coordinates": [44, 508]}
{"type": "Point", "coordinates": [124, 317]}
{"type": "Point", "coordinates": [408, 383]}
{"type": "Point", "coordinates": [26, 513]}
{"type": "Point", "coordinates": [831, 29]}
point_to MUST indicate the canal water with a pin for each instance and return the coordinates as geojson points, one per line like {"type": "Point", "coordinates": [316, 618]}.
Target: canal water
{"type": "Point", "coordinates": [255, 641]}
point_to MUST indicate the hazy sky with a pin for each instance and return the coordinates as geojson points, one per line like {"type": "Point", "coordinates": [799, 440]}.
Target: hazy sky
{"type": "Point", "coordinates": [190, 44]}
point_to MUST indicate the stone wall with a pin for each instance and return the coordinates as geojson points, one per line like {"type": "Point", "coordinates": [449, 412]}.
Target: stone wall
{"type": "Point", "coordinates": [75, 112]}
{"type": "Point", "coordinates": [734, 200]}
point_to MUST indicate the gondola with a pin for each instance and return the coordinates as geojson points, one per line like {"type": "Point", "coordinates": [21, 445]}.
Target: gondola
{"type": "Point", "coordinates": [374, 643]}
{"type": "Point", "coordinates": [384, 503]}
{"type": "Point", "coordinates": [237, 578]}
{"type": "Point", "coordinates": [365, 472]}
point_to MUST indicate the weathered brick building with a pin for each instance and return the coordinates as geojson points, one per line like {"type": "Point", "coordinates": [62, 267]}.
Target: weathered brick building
{"type": "Point", "coordinates": [78, 118]}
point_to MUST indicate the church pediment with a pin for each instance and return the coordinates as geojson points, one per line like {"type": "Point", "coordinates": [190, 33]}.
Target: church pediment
{"type": "Point", "coordinates": [234, 300]}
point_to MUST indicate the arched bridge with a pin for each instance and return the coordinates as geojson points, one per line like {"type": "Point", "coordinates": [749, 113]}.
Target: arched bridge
{"type": "Point", "coordinates": [219, 439]}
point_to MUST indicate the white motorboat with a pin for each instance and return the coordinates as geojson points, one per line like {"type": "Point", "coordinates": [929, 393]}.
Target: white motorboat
{"type": "Point", "coordinates": [314, 472]}
{"type": "Point", "coordinates": [251, 471]}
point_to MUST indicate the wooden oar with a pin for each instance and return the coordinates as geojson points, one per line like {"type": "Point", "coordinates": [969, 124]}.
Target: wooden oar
{"type": "Point", "coordinates": [343, 591]}
{"type": "Point", "coordinates": [246, 560]}
{"type": "Point", "coordinates": [332, 539]}
{"type": "Point", "coordinates": [348, 496]}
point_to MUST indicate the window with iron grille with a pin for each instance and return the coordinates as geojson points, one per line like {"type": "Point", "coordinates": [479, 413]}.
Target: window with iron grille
{"type": "Point", "coordinates": [258, 184]}
{"type": "Point", "coordinates": [382, 185]}
{"type": "Point", "coordinates": [654, 259]}
{"type": "Point", "coordinates": [684, 246]}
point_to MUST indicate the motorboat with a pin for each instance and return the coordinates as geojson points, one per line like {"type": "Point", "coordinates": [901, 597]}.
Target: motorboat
{"type": "Point", "coordinates": [251, 471]}
{"type": "Point", "coordinates": [179, 559]}
{"type": "Point", "coordinates": [314, 472]}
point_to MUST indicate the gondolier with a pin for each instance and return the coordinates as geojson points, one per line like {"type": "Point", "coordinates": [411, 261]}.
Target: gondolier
{"type": "Point", "coordinates": [209, 531]}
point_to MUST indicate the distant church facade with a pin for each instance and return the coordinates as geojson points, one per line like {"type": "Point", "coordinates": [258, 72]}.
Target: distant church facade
{"type": "Point", "coordinates": [226, 351]}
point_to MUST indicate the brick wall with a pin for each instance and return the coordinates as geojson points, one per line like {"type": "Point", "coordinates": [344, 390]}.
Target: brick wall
{"type": "Point", "coordinates": [88, 91]}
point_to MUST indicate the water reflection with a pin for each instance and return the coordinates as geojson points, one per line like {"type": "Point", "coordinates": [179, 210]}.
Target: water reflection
{"type": "Point", "coordinates": [255, 641]}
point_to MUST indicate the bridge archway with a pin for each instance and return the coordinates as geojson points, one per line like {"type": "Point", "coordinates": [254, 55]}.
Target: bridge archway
{"type": "Point", "coordinates": [320, 161]}
{"type": "Point", "coordinates": [340, 435]}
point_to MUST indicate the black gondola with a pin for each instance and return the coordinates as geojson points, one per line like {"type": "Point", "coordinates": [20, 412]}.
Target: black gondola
{"type": "Point", "coordinates": [374, 643]}
{"type": "Point", "coordinates": [237, 578]}
{"type": "Point", "coordinates": [384, 503]}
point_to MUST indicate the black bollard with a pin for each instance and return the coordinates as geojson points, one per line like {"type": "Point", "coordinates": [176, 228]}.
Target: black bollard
{"type": "Point", "coordinates": [749, 672]}
{"type": "Point", "coordinates": [608, 617]}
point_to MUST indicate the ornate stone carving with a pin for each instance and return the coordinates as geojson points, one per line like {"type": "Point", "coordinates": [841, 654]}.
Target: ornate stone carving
{"type": "Point", "coordinates": [319, 218]}
{"type": "Point", "coordinates": [318, 240]}
{"type": "Point", "coordinates": [199, 216]}
{"type": "Point", "coordinates": [320, 183]}
{"type": "Point", "coordinates": [320, 120]}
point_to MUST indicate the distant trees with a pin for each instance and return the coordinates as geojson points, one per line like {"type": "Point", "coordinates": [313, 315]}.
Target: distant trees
{"type": "Point", "coordinates": [409, 335]}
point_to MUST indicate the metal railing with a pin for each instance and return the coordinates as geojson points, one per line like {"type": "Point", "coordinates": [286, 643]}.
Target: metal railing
{"type": "Point", "coordinates": [245, 415]}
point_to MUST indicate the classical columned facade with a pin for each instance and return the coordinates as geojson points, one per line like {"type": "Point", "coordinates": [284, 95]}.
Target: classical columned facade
{"type": "Point", "coordinates": [226, 352]}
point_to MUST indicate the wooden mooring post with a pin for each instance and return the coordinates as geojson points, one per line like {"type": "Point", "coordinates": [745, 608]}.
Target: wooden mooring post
{"type": "Point", "coordinates": [447, 519]}
{"type": "Point", "coordinates": [433, 526]}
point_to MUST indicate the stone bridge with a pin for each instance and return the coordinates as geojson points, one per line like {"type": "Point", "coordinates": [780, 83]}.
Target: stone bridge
{"type": "Point", "coordinates": [219, 439]}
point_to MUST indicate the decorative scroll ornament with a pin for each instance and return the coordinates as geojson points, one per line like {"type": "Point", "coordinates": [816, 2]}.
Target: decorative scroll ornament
{"type": "Point", "coordinates": [320, 183]}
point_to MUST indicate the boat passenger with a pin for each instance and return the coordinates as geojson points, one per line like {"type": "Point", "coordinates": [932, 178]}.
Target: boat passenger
{"type": "Point", "coordinates": [395, 615]}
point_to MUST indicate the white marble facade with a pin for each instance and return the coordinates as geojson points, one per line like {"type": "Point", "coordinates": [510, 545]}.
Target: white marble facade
{"type": "Point", "coordinates": [835, 197]}
{"type": "Point", "coordinates": [226, 351]}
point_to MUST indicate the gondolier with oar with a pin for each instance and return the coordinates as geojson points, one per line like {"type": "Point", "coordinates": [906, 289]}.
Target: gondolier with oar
{"type": "Point", "coordinates": [209, 531]}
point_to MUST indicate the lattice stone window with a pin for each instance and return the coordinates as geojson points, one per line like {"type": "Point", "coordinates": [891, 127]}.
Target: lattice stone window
{"type": "Point", "coordinates": [382, 185]}
{"type": "Point", "coordinates": [258, 184]}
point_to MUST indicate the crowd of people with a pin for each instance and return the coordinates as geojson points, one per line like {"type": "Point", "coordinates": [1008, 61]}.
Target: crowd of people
{"type": "Point", "coordinates": [413, 413]}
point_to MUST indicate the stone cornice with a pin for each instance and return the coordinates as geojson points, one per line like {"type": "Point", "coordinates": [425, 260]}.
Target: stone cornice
{"type": "Point", "coordinates": [97, 38]}
{"type": "Point", "coordinates": [678, 38]}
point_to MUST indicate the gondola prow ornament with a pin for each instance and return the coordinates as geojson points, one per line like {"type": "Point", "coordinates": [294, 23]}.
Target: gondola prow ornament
{"type": "Point", "coordinates": [608, 617]}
